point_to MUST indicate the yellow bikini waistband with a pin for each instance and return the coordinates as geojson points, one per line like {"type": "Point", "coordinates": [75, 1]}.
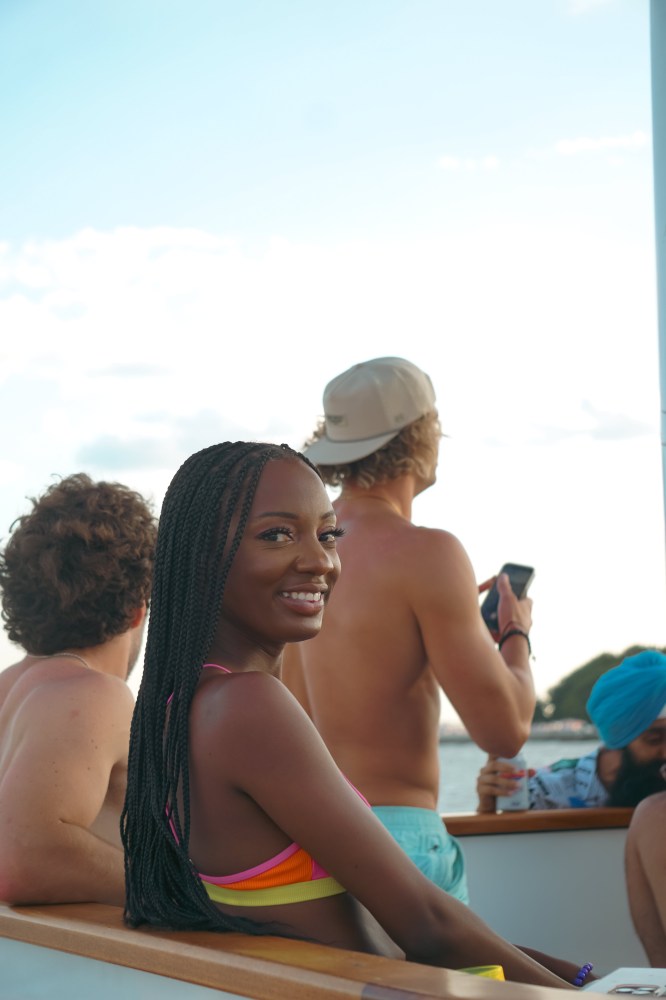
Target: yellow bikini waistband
{"type": "Point", "coordinates": [297, 892]}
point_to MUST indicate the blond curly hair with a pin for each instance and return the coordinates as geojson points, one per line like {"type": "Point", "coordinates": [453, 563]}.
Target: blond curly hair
{"type": "Point", "coordinates": [413, 450]}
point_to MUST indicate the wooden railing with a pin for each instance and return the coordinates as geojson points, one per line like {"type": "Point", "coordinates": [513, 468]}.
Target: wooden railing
{"type": "Point", "coordinates": [264, 968]}
{"type": "Point", "coordinates": [535, 821]}
{"type": "Point", "coordinates": [272, 968]}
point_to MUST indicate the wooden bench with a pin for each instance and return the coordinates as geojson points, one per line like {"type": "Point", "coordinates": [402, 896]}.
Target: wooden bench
{"type": "Point", "coordinates": [264, 968]}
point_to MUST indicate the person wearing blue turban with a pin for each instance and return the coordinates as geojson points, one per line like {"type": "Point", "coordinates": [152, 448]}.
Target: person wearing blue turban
{"type": "Point", "coordinates": [627, 705]}
{"type": "Point", "coordinates": [628, 698]}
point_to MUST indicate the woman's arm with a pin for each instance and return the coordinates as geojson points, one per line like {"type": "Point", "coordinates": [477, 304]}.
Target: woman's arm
{"type": "Point", "coordinates": [286, 769]}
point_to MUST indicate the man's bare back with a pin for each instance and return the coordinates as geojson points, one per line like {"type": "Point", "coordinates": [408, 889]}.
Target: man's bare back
{"type": "Point", "coordinates": [402, 622]}
{"type": "Point", "coordinates": [64, 734]}
{"type": "Point", "coordinates": [75, 579]}
{"type": "Point", "coordinates": [378, 709]}
{"type": "Point", "coordinates": [404, 619]}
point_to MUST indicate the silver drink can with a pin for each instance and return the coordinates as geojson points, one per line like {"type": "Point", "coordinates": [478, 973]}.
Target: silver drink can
{"type": "Point", "coordinates": [520, 798]}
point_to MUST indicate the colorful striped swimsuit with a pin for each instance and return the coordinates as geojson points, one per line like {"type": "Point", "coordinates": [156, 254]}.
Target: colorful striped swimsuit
{"type": "Point", "coordinates": [292, 876]}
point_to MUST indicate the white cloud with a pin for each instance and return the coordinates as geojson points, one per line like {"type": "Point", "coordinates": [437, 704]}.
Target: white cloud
{"type": "Point", "coordinates": [142, 346]}
{"type": "Point", "coordinates": [183, 319]}
{"type": "Point", "coordinates": [450, 162]}
{"type": "Point", "coordinates": [158, 441]}
{"type": "Point", "coordinates": [583, 144]}
{"type": "Point", "coordinates": [468, 164]}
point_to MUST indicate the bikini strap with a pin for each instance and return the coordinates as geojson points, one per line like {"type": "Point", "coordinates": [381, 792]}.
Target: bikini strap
{"type": "Point", "coordinates": [216, 666]}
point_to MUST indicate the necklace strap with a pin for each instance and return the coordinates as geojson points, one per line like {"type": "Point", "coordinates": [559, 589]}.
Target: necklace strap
{"type": "Point", "coordinates": [54, 656]}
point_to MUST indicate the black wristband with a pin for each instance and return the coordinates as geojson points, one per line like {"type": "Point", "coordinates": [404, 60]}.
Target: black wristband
{"type": "Point", "coordinates": [516, 631]}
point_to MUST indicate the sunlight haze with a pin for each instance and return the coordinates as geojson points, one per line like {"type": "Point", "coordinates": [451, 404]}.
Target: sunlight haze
{"type": "Point", "coordinates": [209, 209]}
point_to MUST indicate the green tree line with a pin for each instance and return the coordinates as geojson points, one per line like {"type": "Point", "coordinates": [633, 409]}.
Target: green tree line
{"type": "Point", "coordinates": [567, 699]}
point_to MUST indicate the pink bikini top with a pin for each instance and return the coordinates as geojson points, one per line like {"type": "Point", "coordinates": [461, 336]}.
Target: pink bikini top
{"type": "Point", "coordinates": [292, 876]}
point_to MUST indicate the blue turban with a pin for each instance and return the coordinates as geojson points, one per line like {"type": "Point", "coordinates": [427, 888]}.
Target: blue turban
{"type": "Point", "coordinates": [626, 700]}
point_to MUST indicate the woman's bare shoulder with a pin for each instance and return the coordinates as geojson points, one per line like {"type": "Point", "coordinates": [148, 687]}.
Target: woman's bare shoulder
{"type": "Point", "coordinates": [245, 699]}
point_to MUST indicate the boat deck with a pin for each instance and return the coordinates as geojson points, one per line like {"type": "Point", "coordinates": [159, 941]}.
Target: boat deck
{"type": "Point", "coordinates": [264, 968]}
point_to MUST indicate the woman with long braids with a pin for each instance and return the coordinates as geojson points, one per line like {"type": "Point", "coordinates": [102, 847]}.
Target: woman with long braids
{"type": "Point", "coordinates": [236, 817]}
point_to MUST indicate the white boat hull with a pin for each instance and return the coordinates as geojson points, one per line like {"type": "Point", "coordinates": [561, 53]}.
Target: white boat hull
{"type": "Point", "coordinates": [561, 891]}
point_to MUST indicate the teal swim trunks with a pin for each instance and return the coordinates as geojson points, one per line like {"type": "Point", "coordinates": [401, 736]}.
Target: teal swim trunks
{"type": "Point", "coordinates": [424, 837]}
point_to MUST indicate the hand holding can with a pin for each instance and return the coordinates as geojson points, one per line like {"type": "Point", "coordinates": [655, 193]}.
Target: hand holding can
{"type": "Point", "coordinates": [519, 799]}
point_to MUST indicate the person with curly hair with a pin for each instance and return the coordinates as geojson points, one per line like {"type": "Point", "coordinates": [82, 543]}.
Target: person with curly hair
{"type": "Point", "coordinates": [404, 620]}
{"type": "Point", "coordinates": [75, 578]}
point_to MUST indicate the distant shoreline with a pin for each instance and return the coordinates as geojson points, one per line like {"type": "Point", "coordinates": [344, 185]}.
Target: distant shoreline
{"type": "Point", "coordinates": [572, 730]}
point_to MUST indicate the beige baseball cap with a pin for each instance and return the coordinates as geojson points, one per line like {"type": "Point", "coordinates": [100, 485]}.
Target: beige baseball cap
{"type": "Point", "coordinates": [367, 405]}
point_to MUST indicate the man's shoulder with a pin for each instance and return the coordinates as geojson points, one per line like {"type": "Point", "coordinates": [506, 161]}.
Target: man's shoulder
{"type": "Point", "coordinates": [436, 562]}
{"type": "Point", "coordinates": [88, 693]}
{"type": "Point", "coordinates": [74, 717]}
{"type": "Point", "coordinates": [653, 808]}
{"type": "Point", "coordinates": [437, 536]}
{"type": "Point", "coordinates": [66, 675]}
{"type": "Point", "coordinates": [432, 544]}
{"type": "Point", "coordinates": [427, 567]}
{"type": "Point", "coordinates": [91, 686]}
{"type": "Point", "coordinates": [8, 678]}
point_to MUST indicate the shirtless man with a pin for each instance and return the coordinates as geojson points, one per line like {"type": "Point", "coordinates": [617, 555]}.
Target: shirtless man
{"type": "Point", "coordinates": [404, 619]}
{"type": "Point", "coordinates": [75, 578]}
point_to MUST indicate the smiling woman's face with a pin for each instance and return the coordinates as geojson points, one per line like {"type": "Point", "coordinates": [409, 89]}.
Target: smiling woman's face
{"type": "Point", "coordinates": [287, 562]}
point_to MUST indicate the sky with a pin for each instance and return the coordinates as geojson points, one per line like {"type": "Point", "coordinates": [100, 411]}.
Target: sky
{"type": "Point", "coordinates": [210, 208]}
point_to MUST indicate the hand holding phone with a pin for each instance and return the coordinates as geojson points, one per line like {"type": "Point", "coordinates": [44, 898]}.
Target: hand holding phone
{"type": "Point", "coordinates": [520, 578]}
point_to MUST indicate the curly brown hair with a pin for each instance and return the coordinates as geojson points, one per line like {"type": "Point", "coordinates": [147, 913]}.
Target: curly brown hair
{"type": "Point", "coordinates": [413, 450]}
{"type": "Point", "coordinates": [78, 567]}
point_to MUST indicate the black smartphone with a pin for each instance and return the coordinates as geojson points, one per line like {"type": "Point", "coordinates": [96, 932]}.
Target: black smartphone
{"type": "Point", "coordinates": [520, 578]}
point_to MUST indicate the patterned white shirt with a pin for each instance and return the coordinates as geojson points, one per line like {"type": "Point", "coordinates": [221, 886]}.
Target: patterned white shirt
{"type": "Point", "coordinates": [568, 784]}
